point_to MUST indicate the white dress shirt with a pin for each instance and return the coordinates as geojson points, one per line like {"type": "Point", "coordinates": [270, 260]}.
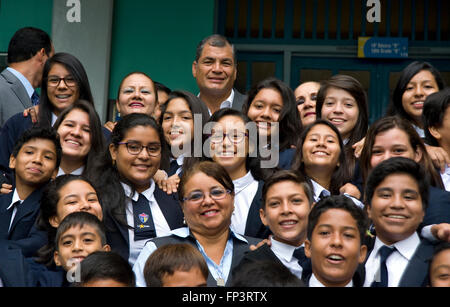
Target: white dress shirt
{"type": "Point", "coordinates": [318, 190]}
{"type": "Point", "coordinates": [15, 198]}
{"type": "Point", "coordinates": [225, 104]}
{"type": "Point", "coordinates": [446, 178]}
{"type": "Point", "coordinates": [396, 263]}
{"type": "Point", "coordinates": [285, 253]}
{"type": "Point", "coordinates": [314, 282]}
{"type": "Point", "coordinates": [78, 171]}
{"type": "Point", "coordinates": [245, 189]}
{"type": "Point", "coordinates": [161, 226]}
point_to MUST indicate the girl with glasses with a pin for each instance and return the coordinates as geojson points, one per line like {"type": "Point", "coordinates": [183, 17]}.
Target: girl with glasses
{"type": "Point", "coordinates": [136, 209]}
{"type": "Point", "coordinates": [207, 193]}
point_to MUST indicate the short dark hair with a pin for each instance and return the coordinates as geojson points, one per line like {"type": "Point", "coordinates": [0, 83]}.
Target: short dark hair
{"type": "Point", "coordinates": [398, 165]}
{"type": "Point", "coordinates": [338, 202]}
{"type": "Point", "coordinates": [264, 273]}
{"type": "Point", "coordinates": [37, 132]}
{"type": "Point", "coordinates": [102, 265]}
{"type": "Point", "coordinates": [215, 40]}
{"type": "Point", "coordinates": [433, 113]}
{"type": "Point", "coordinates": [287, 175]}
{"type": "Point", "coordinates": [396, 106]}
{"type": "Point", "coordinates": [161, 87]}
{"type": "Point", "coordinates": [79, 219]}
{"type": "Point", "coordinates": [26, 42]}
{"type": "Point", "coordinates": [170, 258]}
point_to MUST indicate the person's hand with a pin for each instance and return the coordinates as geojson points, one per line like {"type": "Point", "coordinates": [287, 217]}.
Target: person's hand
{"type": "Point", "coordinates": [110, 125]}
{"type": "Point", "coordinates": [261, 243]}
{"type": "Point", "coordinates": [441, 232]}
{"type": "Point", "coordinates": [33, 112]}
{"type": "Point", "coordinates": [358, 147]}
{"type": "Point", "coordinates": [439, 156]}
{"type": "Point", "coordinates": [170, 185]}
{"type": "Point", "coordinates": [351, 190]}
{"type": "Point", "coordinates": [6, 188]}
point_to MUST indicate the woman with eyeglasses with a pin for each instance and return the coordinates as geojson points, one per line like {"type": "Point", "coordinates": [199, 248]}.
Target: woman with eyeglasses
{"type": "Point", "coordinates": [207, 200]}
{"type": "Point", "coordinates": [231, 145]}
{"type": "Point", "coordinates": [64, 82]}
{"type": "Point", "coordinates": [136, 209]}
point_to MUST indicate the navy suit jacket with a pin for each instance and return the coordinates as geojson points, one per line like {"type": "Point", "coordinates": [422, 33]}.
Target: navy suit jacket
{"type": "Point", "coordinates": [438, 210]}
{"type": "Point", "coordinates": [254, 226]}
{"type": "Point", "coordinates": [117, 233]}
{"type": "Point", "coordinates": [23, 233]}
{"type": "Point", "coordinates": [12, 266]}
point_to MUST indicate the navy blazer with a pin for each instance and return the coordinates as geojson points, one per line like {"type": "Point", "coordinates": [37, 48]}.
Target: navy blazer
{"type": "Point", "coordinates": [254, 226]}
{"type": "Point", "coordinates": [438, 210]}
{"type": "Point", "coordinates": [23, 233]}
{"type": "Point", "coordinates": [12, 266]}
{"type": "Point", "coordinates": [416, 273]}
{"type": "Point", "coordinates": [117, 233]}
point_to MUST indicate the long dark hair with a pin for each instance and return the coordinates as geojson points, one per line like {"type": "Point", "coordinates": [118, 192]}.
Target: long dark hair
{"type": "Point", "coordinates": [97, 138]}
{"type": "Point", "coordinates": [340, 175]}
{"type": "Point", "coordinates": [289, 119]}
{"type": "Point", "coordinates": [396, 107]}
{"type": "Point", "coordinates": [416, 142]}
{"type": "Point", "coordinates": [354, 88]}
{"type": "Point", "coordinates": [76, 69]}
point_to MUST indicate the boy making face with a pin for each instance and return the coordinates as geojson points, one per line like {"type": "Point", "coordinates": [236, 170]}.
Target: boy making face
{"type": "Point", "coordinates": [336, 228]}
{"type": "Point", "coordinates": [397, 197]}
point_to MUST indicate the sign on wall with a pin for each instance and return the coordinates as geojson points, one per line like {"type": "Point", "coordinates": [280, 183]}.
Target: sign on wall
{"type": "Point", "coordinates": [383, 47]}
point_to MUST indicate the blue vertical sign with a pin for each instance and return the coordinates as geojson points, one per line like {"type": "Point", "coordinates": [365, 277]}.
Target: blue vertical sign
{"type": "Point", "coordinates": [383, 47]}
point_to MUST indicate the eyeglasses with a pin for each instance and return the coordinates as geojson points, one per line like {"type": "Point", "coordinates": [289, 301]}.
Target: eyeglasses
{"type": "Point", "coordinates": [236, 137]}
{"type": "Point", "coordinates": [134, 148]}
{"type": "Point", "coordinates": [197, 197]}
{"type": "Point", "coordinates": [54, 81]}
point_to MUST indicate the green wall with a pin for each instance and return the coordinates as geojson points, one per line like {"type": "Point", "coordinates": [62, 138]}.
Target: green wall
{"type": "Point", "coordinates": [16, 14]}
{"type": "Point", "coordinates": [158, 38]}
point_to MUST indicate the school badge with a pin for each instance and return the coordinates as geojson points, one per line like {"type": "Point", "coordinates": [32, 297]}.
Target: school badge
{"type": "Point", "coordinates": [143, 218]}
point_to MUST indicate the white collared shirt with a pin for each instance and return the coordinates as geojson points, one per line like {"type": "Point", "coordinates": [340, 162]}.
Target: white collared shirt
{"type": "Point", "coordinates": [78, 171]}
{"type": "Point", "coordinates": [180, 160]}
{"type": "Point", "coordinates": [419, 131]}
{"type": "Point", "coordinates": [285, 253]}
{"type": "Point", "coordinates": [28, 87]}
{"type": "Point", "coordinates": [245, 189]}
{"type": "Point", "coordinates": [15, 198]}
{"type": "Point", "coordinates": [446, 178]}
{"type": "Point", "coordinates": [396, 263]}
{"type": "Point", "coordinates": [161, 226]}
{"type": "Point", "coordinates": [314, 282]}
{"type": "Point", "coordinates": [228, 103]}
{"type": "Point", "coordinates": [318, 190]}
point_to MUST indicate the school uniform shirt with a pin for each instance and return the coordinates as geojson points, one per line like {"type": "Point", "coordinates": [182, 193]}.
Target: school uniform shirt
{"type": "Point", "coordinates": [245, 189]}
{"type": "Point", "coordinates": [161, 226]}
{"type": "Point", "coordinates": [446, 178]}
{"type": "Point", "coordinates": [15, 198]}
{"type": "Point", "coordinates": [285, 253]}
{"type": "Point", "coordinates": [218, 271]}
{"type": "Point", "coordinates": [419, 131]}
{"type": "Point", "coordinates": [396, 263]}
{"type": "Point", "coordinates": [318, 190]}
{"type": "Point", "coordinates": [314, 282]}
{"type": "Point", "coordinates": [78, 171]}
{"type": "Point", "coordinates": [180, 160]}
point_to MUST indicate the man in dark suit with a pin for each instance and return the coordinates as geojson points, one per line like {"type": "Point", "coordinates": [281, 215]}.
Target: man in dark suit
{"type": "Point", "coordinates": [215, 71]}
{"type": "Point", "coordinates": [28, 50]}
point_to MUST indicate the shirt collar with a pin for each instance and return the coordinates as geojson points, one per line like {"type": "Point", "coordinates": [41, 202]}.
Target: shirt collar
{"type": "Point", "coordinates": [228, 103]}
{"type": "Point", "coordinates": [180, 159]}
{"type": "Point", "coordinates": [243, 182]}
{"type": "Point", "coordinates": [314, 282]}
{"type": "Point", "coordinates": [318, 189]}
{"type": "Point", "coordinates": [284, 250]}
{"type": "Point", "coordinates": [406, 247]}
{"type": "Point", "coordinates": [185, 232]}
{"type": "Point", "coordinates": [15, 199]}
{"type": "Point", "coordinates": [29, 88]}
{"type": "Point", "coordinates": [147, 193]}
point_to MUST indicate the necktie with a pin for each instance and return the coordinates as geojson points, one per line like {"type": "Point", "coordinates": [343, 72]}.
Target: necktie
{"type": "Point", "coordinates": [35, 99]}
{"type": "Point", "coordinates": [173, 167]}
{"type": "Point", "coordinates": [384, 252]}
{"type": "Point", "coordinates": [303, 261]}
{"type": "Point", "coordinates": [324, 194]}
{"type": "Point", "coordinates": [144, 228]}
